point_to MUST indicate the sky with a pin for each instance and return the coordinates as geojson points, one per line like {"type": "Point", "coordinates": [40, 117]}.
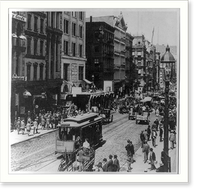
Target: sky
{"type": "Point", "coordinates": [165, 23]}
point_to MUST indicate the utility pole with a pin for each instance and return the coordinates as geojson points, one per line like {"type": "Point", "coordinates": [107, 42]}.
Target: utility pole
{"type": "Point", "coordinates": [166, 130]}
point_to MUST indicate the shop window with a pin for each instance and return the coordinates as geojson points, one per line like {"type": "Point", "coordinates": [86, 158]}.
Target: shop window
{"type": "Point", "coordinates": [80, 72]}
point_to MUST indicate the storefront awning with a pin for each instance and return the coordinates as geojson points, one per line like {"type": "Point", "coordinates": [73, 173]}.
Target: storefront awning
{"type": "Point", "coordinates": [87, 81]}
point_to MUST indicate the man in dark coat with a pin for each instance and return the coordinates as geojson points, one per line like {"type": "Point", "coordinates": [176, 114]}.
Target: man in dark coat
{"type": "Point", "coordinates": [110, 164]}
{"type": "Point", "coordinates": [161, 132]}
{"type": "Point", "coordinates": [105, 165]}
{"type": "Point", "coordinates": [149, 132]}
{"type": "Point", "coordinates": [127, 147]}
{"type": "Point", "coordinates": [142, 138]}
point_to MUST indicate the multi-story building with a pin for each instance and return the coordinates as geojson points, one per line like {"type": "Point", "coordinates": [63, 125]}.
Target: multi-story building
{"type": "Point", "coordinates": [150, 66]}
{"type": "Point", "coordinates": [73, 50]}
{"type": "Point", "coordinates": [18, 64]}
{"type": "Point", "coordinates": [139, 54]}
{"type": "Point", "coordinates": [100, 54]}
{"type": "Point", "coordinates": [130, 68]}
{"type": "Point", "coordinates": [53, 56]}
{"type": "Point", "coordinates": [120, 27]}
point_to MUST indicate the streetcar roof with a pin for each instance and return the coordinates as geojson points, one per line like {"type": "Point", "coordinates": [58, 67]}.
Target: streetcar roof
{"type": "Point", "coordinates": [81, 120]}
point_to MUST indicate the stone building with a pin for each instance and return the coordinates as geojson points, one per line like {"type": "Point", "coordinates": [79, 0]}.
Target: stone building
{"type": "Point", "coordinates": [73, 50]}
{"type": "Point", "coordinates": [18, 51]}
{"type": "Point", "coordinates": [118, 23]}
{"type": "Point", "coordinates": [139, 54]}
{"type": "Point", "coordinates": [100, 54]}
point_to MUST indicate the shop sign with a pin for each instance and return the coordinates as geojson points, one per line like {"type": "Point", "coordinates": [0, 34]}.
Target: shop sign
{"type": "Point", "coordinates": [19, 17]}
{"type": "Point", "coordinates": [17, 78]}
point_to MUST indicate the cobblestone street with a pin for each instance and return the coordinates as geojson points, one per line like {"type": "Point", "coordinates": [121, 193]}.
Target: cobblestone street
{"type": "Point", "coordinates": [37, 154]}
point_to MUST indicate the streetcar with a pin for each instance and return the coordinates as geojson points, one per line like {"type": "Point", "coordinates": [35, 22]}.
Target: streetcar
{"type": "Point", "coordinates": [71, 134]}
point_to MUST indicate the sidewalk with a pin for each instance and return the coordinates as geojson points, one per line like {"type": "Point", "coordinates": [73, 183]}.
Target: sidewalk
{"type": "Point", "coordinates": [15, 138]}
{"type": "Point", "coordinates": [140, 167]}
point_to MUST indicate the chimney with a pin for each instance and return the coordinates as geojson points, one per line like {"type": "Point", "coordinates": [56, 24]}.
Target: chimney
{"type": "Point", "coordinates": [90, 18]}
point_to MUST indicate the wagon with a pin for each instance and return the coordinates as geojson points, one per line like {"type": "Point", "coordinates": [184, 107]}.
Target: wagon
{"type": "Point", "coordinates": [132, 114]}
{"type": "Point", "coordinates": [144, 118]}
{"type": "Point", "coordinates": [107, 115]}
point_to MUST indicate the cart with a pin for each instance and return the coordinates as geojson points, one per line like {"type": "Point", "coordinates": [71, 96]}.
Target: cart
{"type": "Point", "coordinates": [143, 118]}
{"type": "Point", "coordinates": [132, 114]}
{"type": "Point", "coordinates": [107, 115]}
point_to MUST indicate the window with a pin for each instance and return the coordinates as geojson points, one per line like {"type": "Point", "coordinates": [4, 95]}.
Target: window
{"type": "Point", "coordinates": [81, 31]}
{"type": "Point", "coordinates": [42, 26]}
{"type": "Point", "coordinates": [66, 26]}
{"type": "Point", "coordinates": [80, 50]}
{"type": "Point", "coordinates": [29, 46]}
{"type": "Point", "coordinates": [57, 20]}
{"type": "Point", "coordinates": [74, 49]}
{"type": "Point", "coordinates": [41, 48]}
{"type": "Point", "coordinates": [81, 15]}
{"type": "Point", "coordinates": [35, 71]}
{"type": "Point", "coordinates": [35, 47]}
{"type": "Point", "coordinates": [35, 24]}
{"type": "Point", "coordinates": [73, 14]}
{"type": "Point", "coordinates": [66, 71]}
{"type": "Point", "coordinates": [28, 72]}
{"type": "Point", "coordinates": [80, 73]}
{"type": "Point", "coordinates": [29, 22]}
{"type": "Point", "coordinates": [66, 49]}
{"type": "Point", "coordinates": [73, 29]}
{"type": "Point", "coordinates": [41, 71]}
{"type": "Point", "coordinates": [52, 19]}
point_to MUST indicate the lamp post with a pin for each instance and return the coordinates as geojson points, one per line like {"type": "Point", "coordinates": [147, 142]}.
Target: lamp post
{"type": "Point", "coordinates": [166, 129]}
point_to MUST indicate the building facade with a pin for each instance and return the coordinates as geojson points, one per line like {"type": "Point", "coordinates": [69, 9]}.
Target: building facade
{"type": "Point", "coordinates": [53, 56]}
{"type": "Point", "coordinates": [73, 50]}
{"type": "Point", "coordinates": [118, 23]}
{"type": "Point", "coordinates": [18, 52]}
{"type": "Point", "coordinates": [100, 54]}
{"type": "Point", "coordinates": [139, 54]}
{"type": "Point", "coordinates": [130, 66]}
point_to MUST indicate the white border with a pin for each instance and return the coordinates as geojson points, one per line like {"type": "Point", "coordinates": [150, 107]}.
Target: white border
{"type": "Point", "coordinates": [92, 178]}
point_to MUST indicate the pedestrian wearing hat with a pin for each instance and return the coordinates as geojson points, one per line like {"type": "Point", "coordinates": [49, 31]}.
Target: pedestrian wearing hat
{"type": "Point", "coordinates": [142, 138]}
{"type": "Point", "coordinates": [145, 150]}
{"type": "Point", "coordinates": [28, 127]}
{"type": "Point", "coordinates": [116, 163]}
{"type": "Point", "coordinates": [110, 164]}
{"type": "Point", "coordinates": [22, 127]}
{"type": "Point", "coordinates": [149, 132]}
{"type": "Point", "coordinates": [105, 165]}
{"type": "Point", "coordinates": [153, 137]}
{"type": "Point", "coordinates": [172, 139]}
{"type": "Point", "coordinates": [99, 167]}
{"type": "Point", "coordinates": [18, 125]}
{"type": "Point", "coordinates": [127, 147]}
{"type": "Point", "coordinates": [35, 124]}
{"type": "Point", "coordinates": [152, 159]}
{"type": "Point", "coordinates": [160, 132]}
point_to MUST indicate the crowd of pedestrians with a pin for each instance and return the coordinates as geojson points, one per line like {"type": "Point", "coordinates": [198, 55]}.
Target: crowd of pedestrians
{"type": "Point", "coordinates": [108, 165]}
{"type": "Point", "coordinates": [35, 123]}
